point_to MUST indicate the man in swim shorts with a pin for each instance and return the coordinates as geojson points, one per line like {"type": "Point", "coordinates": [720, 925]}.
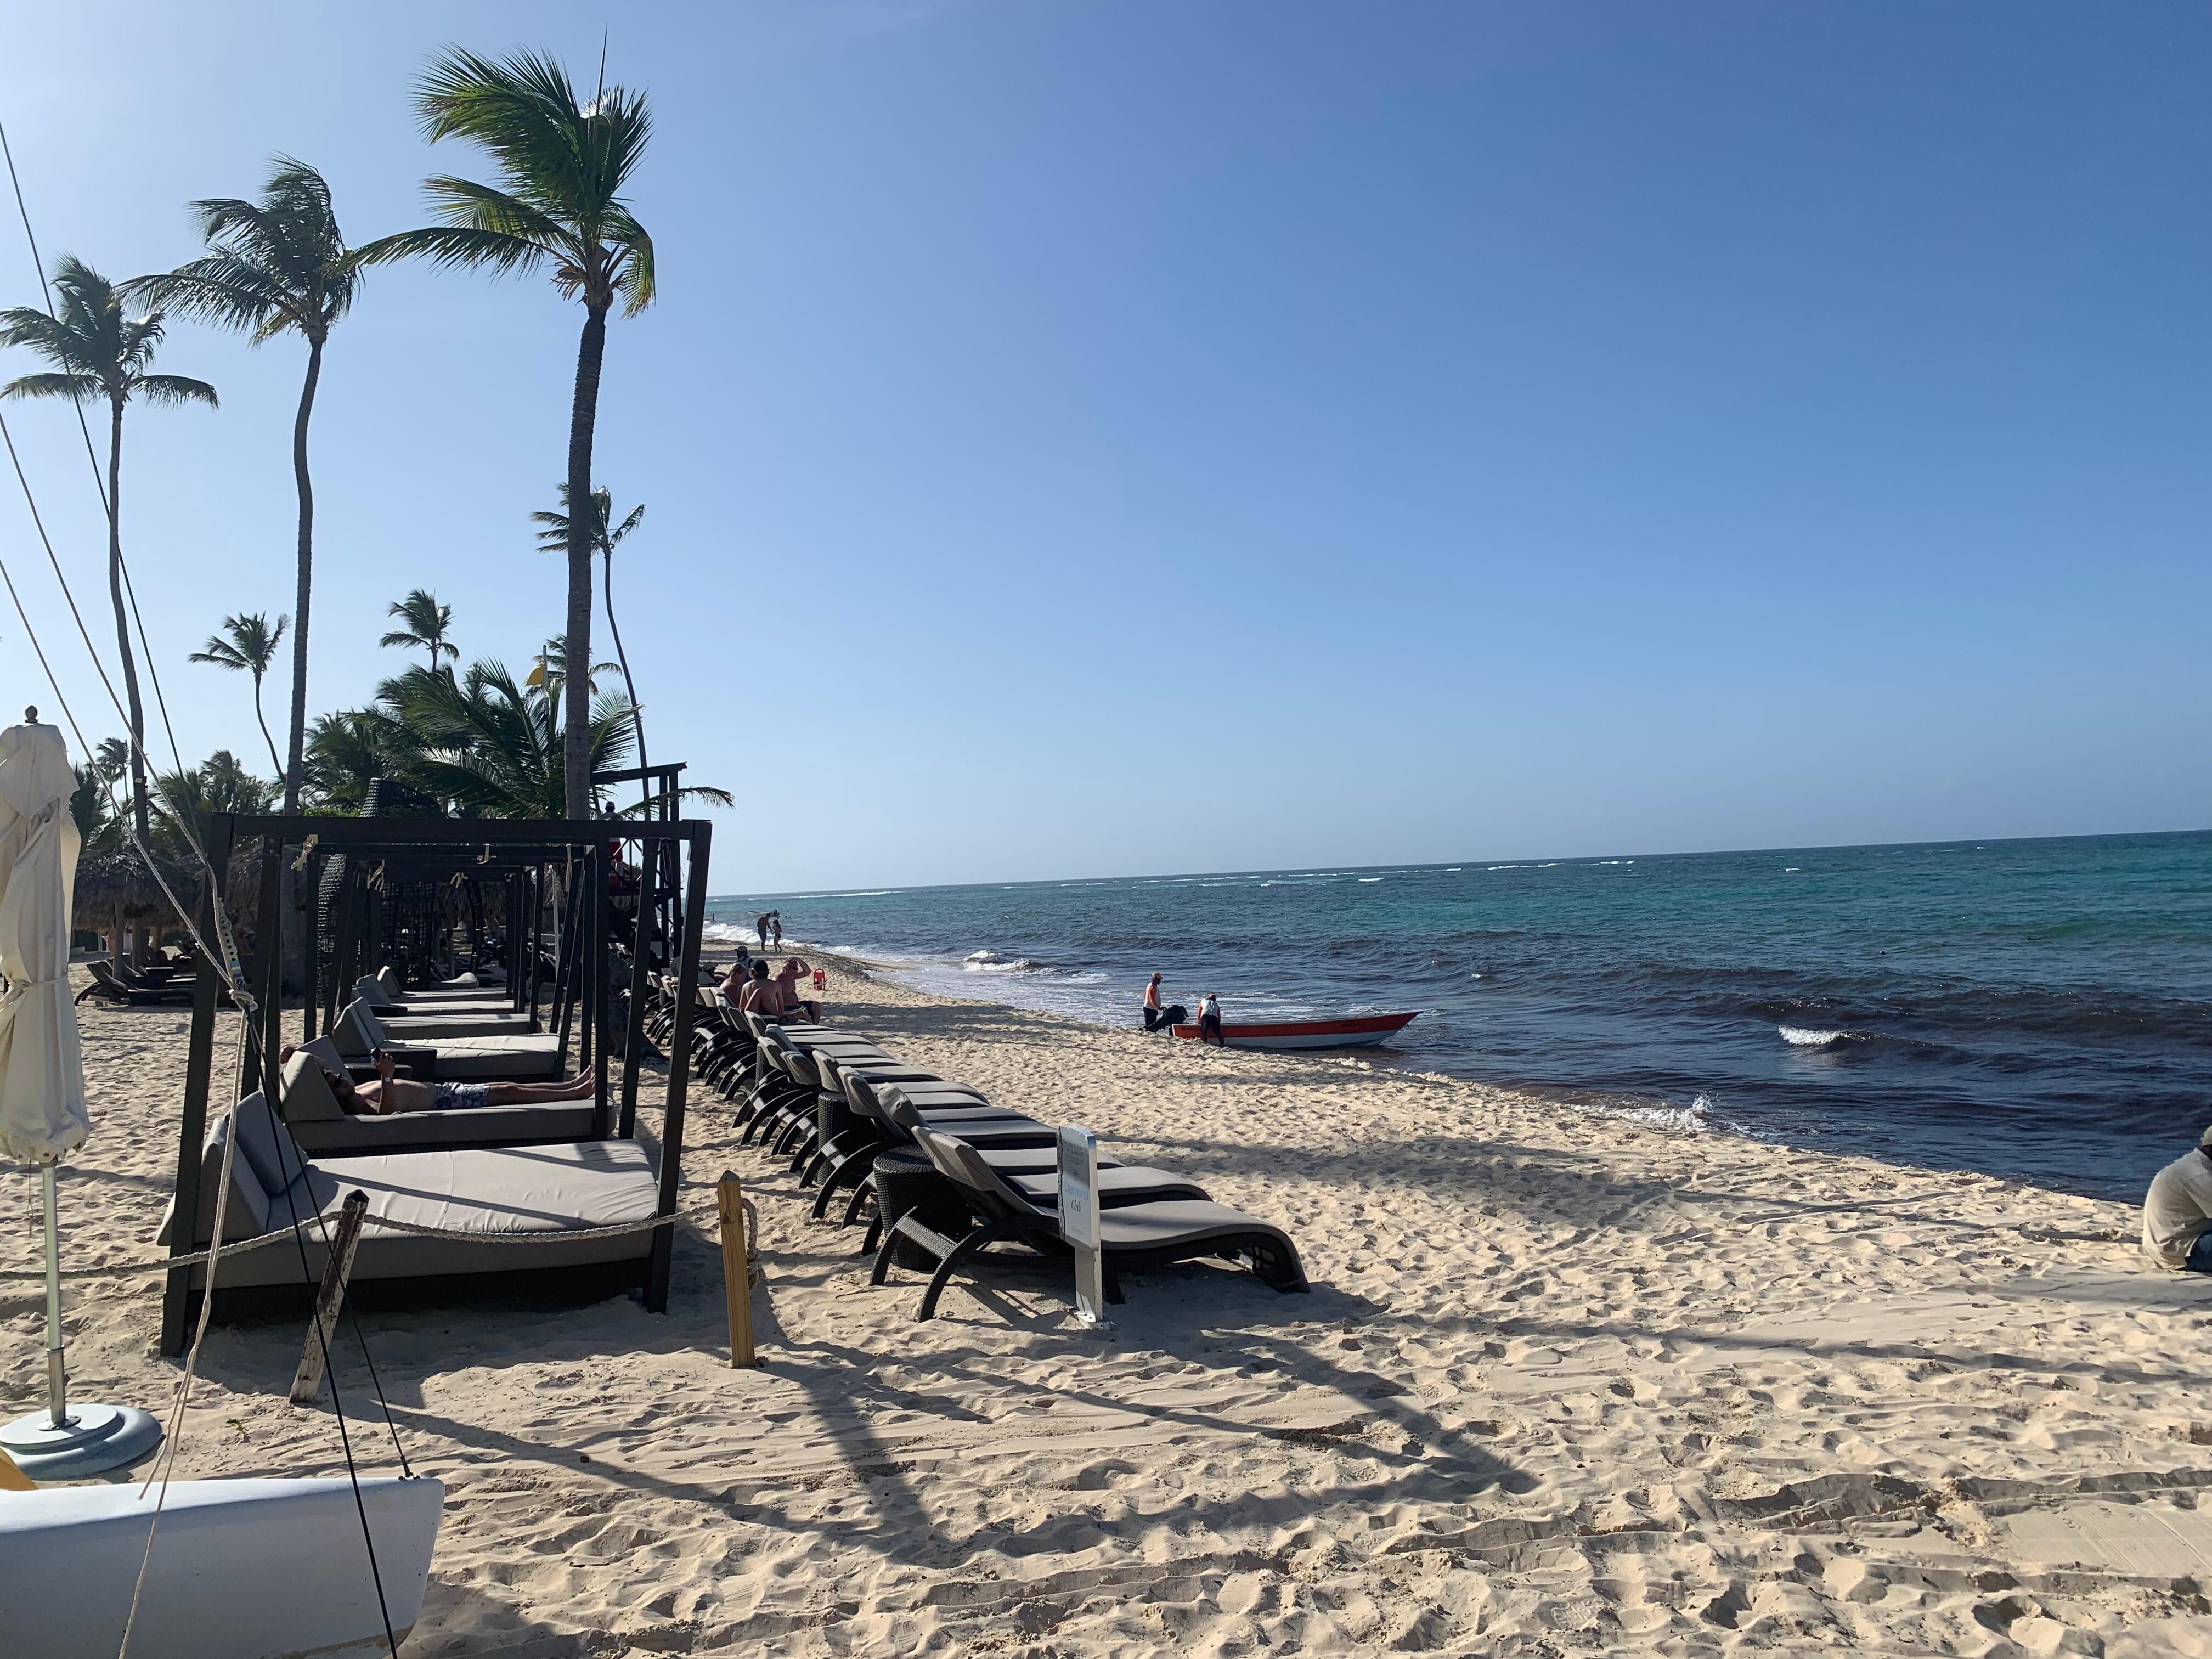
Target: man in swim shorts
{"type": "Point", "coordinates": [2176, 1230]}
{"type": "Point", "coordinates": [390, 1094]}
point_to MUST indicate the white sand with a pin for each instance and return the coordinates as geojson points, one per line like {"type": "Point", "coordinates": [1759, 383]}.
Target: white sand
{"type": "Point", "coordinates": [1563, 1385]}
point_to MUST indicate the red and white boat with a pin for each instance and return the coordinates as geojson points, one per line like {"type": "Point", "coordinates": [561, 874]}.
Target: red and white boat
{"type": "Point", "coordinates": [1364, 1031]}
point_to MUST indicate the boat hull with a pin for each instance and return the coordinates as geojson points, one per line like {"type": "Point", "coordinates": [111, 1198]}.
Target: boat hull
{"type": "Point", "coordinates": [241, 1569]}
{"type": "Point", "coordinates": [1363, 1032]}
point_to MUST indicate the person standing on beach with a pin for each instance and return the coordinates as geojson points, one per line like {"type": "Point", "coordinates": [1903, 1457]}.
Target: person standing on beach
{"type": "Point", "coordinates": [2177, 1231]}
{"type": "Point", "coordinates": [1157, 1019]}
{"type": "Point", "coordinates": [775, 920]}
{"type": "Point", "coordinates": [760, 927]}
{"type": "Point", "coordinates": [1209, 1020]}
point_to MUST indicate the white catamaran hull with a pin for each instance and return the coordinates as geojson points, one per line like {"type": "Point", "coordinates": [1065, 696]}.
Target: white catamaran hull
{"type": "Point", "coordinates": [241, 1569]}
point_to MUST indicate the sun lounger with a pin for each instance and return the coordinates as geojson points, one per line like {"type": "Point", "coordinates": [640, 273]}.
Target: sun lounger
{"type": "Point", "coordinates": [324, 1129]}
{"type": "Point", "coordinates": [1135, 1235]}
{"type": "Point", "coordinates": [106, 983]}
{"type": "Point", "coordinates": [517, 1202]}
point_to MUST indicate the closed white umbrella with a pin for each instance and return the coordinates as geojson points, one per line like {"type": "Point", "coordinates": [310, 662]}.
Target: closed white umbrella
{"type": "Point", "coordinates": [42, 1115]}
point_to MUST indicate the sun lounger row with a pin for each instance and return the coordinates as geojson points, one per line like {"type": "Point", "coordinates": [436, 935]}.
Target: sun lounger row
{"type": "Point", "coordinates": [833, 1103]}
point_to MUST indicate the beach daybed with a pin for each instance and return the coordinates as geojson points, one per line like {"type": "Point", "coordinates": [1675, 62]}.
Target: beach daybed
{"type": "Point", "coordinates": [326, 1129]}
{"type": "Point", "coordinates": [466, 987]}
{"type": "Point", "coordinates": [518, 1203]}
{"type": "Point", "coordinates": [1133, 1236]}
{"type": "Point", "coordinates": [359, 1032]}
{"type": "Point", "coordinates": [435, 1021]}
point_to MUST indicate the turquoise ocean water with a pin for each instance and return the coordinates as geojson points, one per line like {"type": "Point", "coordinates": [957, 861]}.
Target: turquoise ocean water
{"type": "Point", "coordinates": [2034, 1008]}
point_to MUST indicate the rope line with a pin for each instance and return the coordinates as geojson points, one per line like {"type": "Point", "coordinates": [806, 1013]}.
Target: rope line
{"type": "Point", "coordinates": [261, 1241]}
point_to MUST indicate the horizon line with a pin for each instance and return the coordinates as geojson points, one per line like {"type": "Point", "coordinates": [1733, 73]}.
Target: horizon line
{"type": "Point", "coordinates": [852, 891]}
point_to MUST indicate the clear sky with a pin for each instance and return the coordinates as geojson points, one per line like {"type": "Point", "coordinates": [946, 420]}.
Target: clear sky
{"type": "Point", "coordinates": [1100, 437]}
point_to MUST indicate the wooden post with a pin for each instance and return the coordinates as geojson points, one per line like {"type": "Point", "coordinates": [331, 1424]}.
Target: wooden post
{"type": "Point", "coordinates": [307, 1381]}
{"type": "Point", "coordinates": [641, 977]}
{"type": "Point", "coordinates": [736, 1271]}
{"type": "Point", "coordinates": [700, 838]}
{"type": "Point", "coordinates": [199, 1065]}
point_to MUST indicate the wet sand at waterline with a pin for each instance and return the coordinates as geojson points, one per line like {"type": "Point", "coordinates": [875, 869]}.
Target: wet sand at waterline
{"type": "Point", "coordinates": [1564, 1384]}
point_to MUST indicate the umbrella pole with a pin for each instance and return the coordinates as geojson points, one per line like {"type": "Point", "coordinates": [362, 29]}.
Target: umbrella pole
{"type": "Point", "coordinates": [57, 1378]}
{"type": "Point", "coordinates": [58, 1443]}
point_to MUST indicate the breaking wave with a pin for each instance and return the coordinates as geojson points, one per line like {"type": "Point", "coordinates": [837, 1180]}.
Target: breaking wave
{"type": "Point", "coordinates": [1801, 1036]}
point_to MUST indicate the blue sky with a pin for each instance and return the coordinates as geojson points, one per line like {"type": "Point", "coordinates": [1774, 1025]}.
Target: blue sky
{"type": "Point", "coordinates": [1105, 438]}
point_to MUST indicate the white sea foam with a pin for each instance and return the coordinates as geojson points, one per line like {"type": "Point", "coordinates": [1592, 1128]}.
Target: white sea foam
{"type": "Point", "coordinates": [1697, 1118]}
{"type": "Point", "coordinates": [1364, 880]}
{"type": "Point", "coordinates": [874, 892]}
{"type": "Point", "coordinates": [1804, 1037]}
{"type": "Point", "coordinates": [990, 962]}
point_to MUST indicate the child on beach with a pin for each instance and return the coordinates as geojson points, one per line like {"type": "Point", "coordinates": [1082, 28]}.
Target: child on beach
{"type": "Point", "coordinates": [1209, 1019]}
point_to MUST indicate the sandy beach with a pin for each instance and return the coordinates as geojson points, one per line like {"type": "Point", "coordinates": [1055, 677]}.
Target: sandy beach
{"type": "Point", "coordinates": [1564, 1384]}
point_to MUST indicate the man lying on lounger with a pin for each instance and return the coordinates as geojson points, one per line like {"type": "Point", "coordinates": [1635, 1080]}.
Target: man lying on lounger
{"type": "Point", "coordinates": [390, 1094]}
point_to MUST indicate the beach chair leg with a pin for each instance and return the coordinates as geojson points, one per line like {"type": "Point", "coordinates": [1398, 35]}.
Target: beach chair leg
{"type": "Point", "coordinates": [832, 1156]}
{"type": "Point", "coordinates": [891, 1238]}
{"type": "Point", "coordinates": [966, 1250]}
{"type": "Point", "coordinates": [861, 1194]}
{"type": "Point", "coordinates": [844, 1168]}
{"type": "Point", "coordinates": [808, 1145]}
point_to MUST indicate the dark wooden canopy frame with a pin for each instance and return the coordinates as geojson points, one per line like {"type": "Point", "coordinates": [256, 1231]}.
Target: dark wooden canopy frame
{"type": "Point", "coordinates": [518, 851]}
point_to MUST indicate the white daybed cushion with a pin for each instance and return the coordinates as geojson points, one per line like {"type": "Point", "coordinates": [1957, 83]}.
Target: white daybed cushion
{"type": "Point", "coordinates": [534, 1191]}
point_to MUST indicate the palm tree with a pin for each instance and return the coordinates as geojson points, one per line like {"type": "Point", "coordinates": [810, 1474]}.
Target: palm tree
{"type": "Point", "coordinates": [562, 165]}
{"type": "Point", "coordinates": [218, 784]}
{"type": "Point", "coordinates": [496, 749]}
{"type": "Point", "coordinates": [348, 751]}
{"type": "Point", "coordinates": [89, 810]}
{"type": "Point", "coordinates": [427, 624]}
{"type": "Point", "coordinates": [251, 647]}
{"type": "Point", "coordinates": [605, 536]}
{"type": "Point", "coordinates": [549, 671]}
{"type": "Point", "coordinates": [275, 266]}
{"type": "Point", "coordinates": [98, 352]}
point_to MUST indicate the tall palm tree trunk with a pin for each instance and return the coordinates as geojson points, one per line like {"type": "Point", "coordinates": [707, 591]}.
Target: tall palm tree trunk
{"type": "Point", "coordinates": [636, 722]}
{"type": "Point", "coordinates": [299, 599]}
{"type": "Point", "coordinates": [263, 724]}
{"type": "Point", "coordinates": [576, 738]}
{"type": "Point", "coordinates": [138, 815]}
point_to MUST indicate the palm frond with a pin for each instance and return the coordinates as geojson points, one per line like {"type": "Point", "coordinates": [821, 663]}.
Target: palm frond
{"type": "Point", "coordinates": [225, 290]}
{"type": "Point", "coordinates": [455, 247]}
{"type": "Point", "coordinates": [462, 203]}
{"type": "Point", "coordinates": [73, 387]}
{"type": "Point", "coordinates": [176, 389]}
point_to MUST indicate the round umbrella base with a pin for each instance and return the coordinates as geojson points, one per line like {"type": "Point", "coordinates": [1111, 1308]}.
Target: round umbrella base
{"type": "Point", "coordinates": [92, 1440]}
